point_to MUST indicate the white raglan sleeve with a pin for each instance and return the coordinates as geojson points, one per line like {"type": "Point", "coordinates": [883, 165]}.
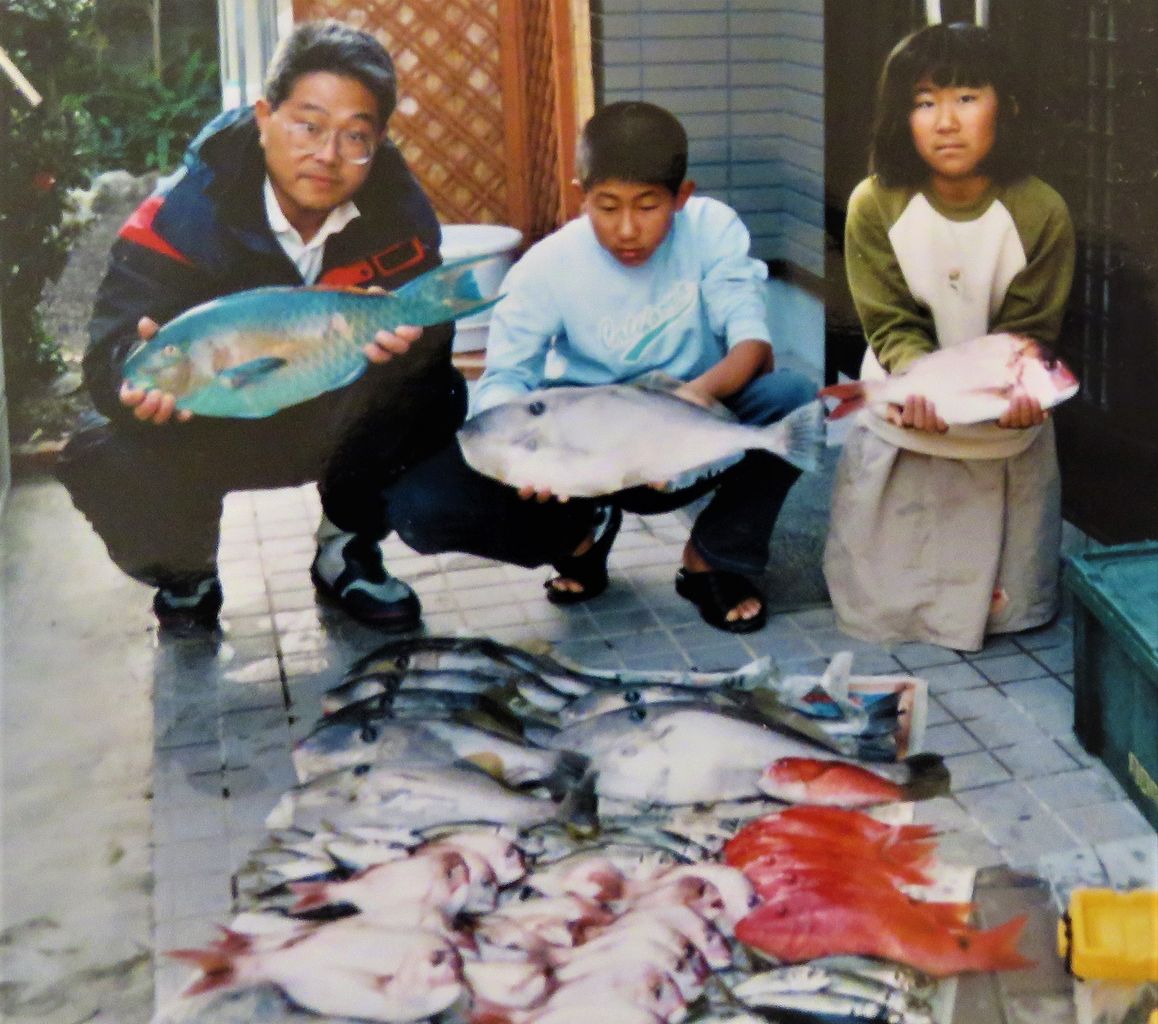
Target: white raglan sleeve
{"type": "Point", "coordinates": [521, 328]}
{"type": "Point", "coordinates": [732, 287]}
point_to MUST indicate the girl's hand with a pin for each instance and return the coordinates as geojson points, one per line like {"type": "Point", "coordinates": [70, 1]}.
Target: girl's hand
{"type": "Point", "coordinates": [156, 407]}
{"type": "Point", "coordinates": [918, 413]}
{"type": "Point", "coordinates": [1023, 412]}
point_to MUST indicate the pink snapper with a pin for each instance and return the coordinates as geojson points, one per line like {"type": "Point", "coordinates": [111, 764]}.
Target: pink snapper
{"type": "Point", "coordinates": [968, 383]}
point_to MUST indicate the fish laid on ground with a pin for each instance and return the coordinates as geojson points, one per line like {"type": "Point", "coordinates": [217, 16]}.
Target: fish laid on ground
{"type": "Point", "coordinates": [968, 383]}
{"type": "Point", "coordinates": [592, 441]}
{"type": "Point", "coordinates": [810, 780]}
{"type": "Point", "coordinates": [681, 753]}
{"type": "Point", "coordinates": [344, 967]}
{"type": "Point", "coordinates": [908, 937]}
{"type": "Point", "coordinates": [419, 797]}
{"type": "Point", "coordinates": [253, 353]}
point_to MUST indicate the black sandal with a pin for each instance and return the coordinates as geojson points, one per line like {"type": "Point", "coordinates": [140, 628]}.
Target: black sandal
{"type": "Point", "coordinates": [716, 592]}
{"type": "Point", "coordinates": [589, 569]}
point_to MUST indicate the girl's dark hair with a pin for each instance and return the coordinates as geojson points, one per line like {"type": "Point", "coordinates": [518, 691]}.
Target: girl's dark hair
{"type": "Point", "coordinates": [948, 55]}
{"type": "Point", "coordinates": [329, 45]}
{"type": "Point", "coordinates": [633, 141]}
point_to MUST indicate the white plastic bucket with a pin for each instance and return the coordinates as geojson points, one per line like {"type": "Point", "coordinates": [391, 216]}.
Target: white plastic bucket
{"type": "Point", "coordinates": [462, 240]}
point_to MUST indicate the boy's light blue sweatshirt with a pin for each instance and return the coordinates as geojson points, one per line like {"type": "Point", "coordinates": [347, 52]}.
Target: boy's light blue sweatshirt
{"type": "Point", "coordinates": [573, 314]}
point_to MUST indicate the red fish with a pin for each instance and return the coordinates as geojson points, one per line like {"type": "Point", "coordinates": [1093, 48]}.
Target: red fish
{"type": "Point", "coordinates": [828, 820]}
{"type": "Point", "coordinates": [808, 780]}
{"type": "Point", "coordinates": [786, 850]}
{"type": "Point", "coordinates": [809, 895]}
{"type": "Point", "coordinates": [905, 936]}
{"type": "Point", "coordinates": [770, 878]}
{"type": "Point", "coordinates": [889, 845]}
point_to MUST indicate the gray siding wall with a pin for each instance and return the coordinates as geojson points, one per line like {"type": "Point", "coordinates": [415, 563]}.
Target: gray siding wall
{"type": "Point", "coordinates": [746, 77]}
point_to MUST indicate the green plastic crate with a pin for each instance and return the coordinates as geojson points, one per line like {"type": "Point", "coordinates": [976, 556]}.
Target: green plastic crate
{"type": "Point", "coordinates": [1116, 664]}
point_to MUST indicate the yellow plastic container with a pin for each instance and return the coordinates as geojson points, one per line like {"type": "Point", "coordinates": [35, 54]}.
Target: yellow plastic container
{"type": "Point", "coordinates": [1111, 935]}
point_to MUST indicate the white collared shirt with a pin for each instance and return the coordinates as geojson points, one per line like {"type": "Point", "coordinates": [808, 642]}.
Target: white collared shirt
{"type": "Point", "coordinates": [306, 256]}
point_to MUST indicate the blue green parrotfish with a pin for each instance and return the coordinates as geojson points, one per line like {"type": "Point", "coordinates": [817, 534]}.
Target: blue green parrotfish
{"type": "Point", "coordinates": [253, 353]}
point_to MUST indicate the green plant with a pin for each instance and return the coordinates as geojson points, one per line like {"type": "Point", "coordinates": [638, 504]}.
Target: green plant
{"type": "Point", "coordinates": [137, 122]}
{"type": "Point", "coordinates": [41, 159]}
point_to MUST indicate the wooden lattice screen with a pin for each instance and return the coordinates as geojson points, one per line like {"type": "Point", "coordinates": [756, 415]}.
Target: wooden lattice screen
{"type": "Point", "coordinates": [490, 94]}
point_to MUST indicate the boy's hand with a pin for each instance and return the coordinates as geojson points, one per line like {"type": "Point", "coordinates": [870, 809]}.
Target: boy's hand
{"type": "Point", "coordinates": [157, 407]}
{"type": "Point", "coordinates": [918, 413]}
{"type": "Point", "coordinates": [388, 344]}
{"type": "Point", "coordinates": [541, 494]}
{"type": "Point", "coordinates": [1023, 412]}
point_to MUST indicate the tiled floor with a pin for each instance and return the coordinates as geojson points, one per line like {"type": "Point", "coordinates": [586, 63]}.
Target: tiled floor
{"type": "Point", "coordinates": [121, 828]}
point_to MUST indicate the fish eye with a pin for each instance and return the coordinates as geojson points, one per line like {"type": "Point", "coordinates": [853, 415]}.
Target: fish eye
{"type": "Point", "coordinates": [657, 991]}
{"type": "Point", "coordinates": [369, 734]}
{"type": "Point", "coordinates": [402, 661]}
{"type": "Point", "coordinates": [362, 769]}
{"type": "Point", "coordinates": [537, 408]}
{"type": "Point", "coordinates": [638, 714]}
{"type": "Point", "coordinates": [632, 697]}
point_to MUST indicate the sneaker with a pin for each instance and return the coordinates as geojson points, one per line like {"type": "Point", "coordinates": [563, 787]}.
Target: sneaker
{"type": "Point", "coordinates": [348, 569]}
{"type": "Point", "coordinates": [189, 604]}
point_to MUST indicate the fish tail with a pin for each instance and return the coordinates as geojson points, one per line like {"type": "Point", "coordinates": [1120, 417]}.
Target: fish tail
{"type": "Point", "coordinates": [447, 292]}
{"type": "Point", "coordinates": [850, 397]}
{"type": "Point", "coordinates": [579, 809]}
{"type": "Point", "coordinates": [311, 895]}
{"type": "Point", "coordinates": [928, 777]}
{"type": "Point", "coordinates": [996, 948]}
{"type": "Point", "coordinates": [217, 966]}
{"type": "Point", "coordinates": [799, 437]}
{"type": "Point", "coordinates": [569, 773]}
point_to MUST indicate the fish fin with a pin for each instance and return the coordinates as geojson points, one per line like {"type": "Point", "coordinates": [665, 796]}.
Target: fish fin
{"type": "Point", "coordinates": [447, 292]}
{"type": "Point", "coordinates": [997, 947]}
{"type": "Point", "coordinates": [928, 777]}
{"type": "Point", "coordinates": [311, 895]}
{"type": "Point", "coordinates": [665, 384]}
{"type": "Point", "coordinates": [850, 396]}
{"type": "Point", "coordinates": [799, 437]}
{"type": "Point", "coordinates": [216, 966]}
{"type": "Point", "coordinates": [249, 373]}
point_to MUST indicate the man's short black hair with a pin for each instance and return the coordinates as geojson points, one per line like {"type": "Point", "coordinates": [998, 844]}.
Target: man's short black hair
{"type": "Point", "coordinates": [329, 45]}
{"type": "Point", "coordinates": [633, 141]}
{"type": "Point", "coordinates": [948, 55]}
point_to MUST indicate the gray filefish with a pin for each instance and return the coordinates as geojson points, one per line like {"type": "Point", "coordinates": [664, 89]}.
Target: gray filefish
{"type": "Point", "coordinates": [687, 753]}
{"type": "Point", "coordinates": [419, 797]}
{"type": "Point", "coordinates": [253, 353]}
{"type": "Point", "coordinates": [596, 440]}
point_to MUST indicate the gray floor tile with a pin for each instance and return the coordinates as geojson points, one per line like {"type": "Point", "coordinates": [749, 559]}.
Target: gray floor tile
{"type": "Point", "coordinates": [1012, 727]}
{"type": "Point", "coordinates": [919, 656]}
{"type": "Point", "coordinates": [971, 771]}
{"type": "Point", "coordinates": [1009, 667]}
{"type": "Point", "coordinates": [1130, 863]}
{"type": "Point", "coordinates": [1036, 758]}
{"type": "Point", "coordinates": [949, 739]}
{"type": "Point", "coordinates": [948, 679]}
{"type": "Point", "coordinates": [1079, 788]}
{"type": "Point", "coordinates": [983, 703]}
{"type": "Point", "coordinates": [1047, 701]}
{"type": "Point", "coordinates": [1101, 823]}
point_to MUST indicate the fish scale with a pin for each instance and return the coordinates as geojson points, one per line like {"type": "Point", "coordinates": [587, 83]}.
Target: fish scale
{"type": "Point", "coordinates": [256, 352]}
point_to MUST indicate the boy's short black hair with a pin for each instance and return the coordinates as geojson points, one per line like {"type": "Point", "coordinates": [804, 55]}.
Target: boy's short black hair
{"type": "Point", "coordinates": [633, 141]}
{"type": "Point", "coordinates": [948, 55]}
{"type": "Point", "coordinates": [330, 45]}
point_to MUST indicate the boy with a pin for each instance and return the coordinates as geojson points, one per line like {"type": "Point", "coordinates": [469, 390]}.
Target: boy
{"type": "Point", "coordinates": [303, 187]}
{"type": "Point", "coordinates": [649, 279]}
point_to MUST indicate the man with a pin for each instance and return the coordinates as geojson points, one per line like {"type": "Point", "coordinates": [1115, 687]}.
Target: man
{"type": "Point", "coordinates": [301, 188]}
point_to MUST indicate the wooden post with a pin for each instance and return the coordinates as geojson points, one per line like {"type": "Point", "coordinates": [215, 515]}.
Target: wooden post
{"type": "Point", "coordinates": [513, 72]}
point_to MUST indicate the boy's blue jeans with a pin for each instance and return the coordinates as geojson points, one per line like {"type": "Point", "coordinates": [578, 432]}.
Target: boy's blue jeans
{"type": "Point", "coordinates": [444, 505]}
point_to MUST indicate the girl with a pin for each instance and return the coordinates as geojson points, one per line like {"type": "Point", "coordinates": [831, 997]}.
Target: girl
{"type": "Point", "coordinates": [944, 535]}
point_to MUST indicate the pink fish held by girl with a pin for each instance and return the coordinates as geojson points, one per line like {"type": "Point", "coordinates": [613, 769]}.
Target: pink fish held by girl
{"type": "Point", "coordinates": [968, 383]}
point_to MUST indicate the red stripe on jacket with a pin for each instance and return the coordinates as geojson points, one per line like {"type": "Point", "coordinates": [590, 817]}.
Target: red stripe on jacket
{"type": "Point", "coordinates": [139, 229]}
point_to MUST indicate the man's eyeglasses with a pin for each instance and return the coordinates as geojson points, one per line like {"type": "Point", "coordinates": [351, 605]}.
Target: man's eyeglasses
{"type": "Point", "coordinates": [355, 145]}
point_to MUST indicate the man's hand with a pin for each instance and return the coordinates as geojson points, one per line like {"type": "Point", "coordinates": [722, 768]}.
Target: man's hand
{"type": "Point", "coordinates": [918, 413]}
{"type": "Point", "coordinates": [158, 407]}
{"type": "Point", "coordinates": [1023, 412]}
{"type": "Point", "coordinates": [388, 344]}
